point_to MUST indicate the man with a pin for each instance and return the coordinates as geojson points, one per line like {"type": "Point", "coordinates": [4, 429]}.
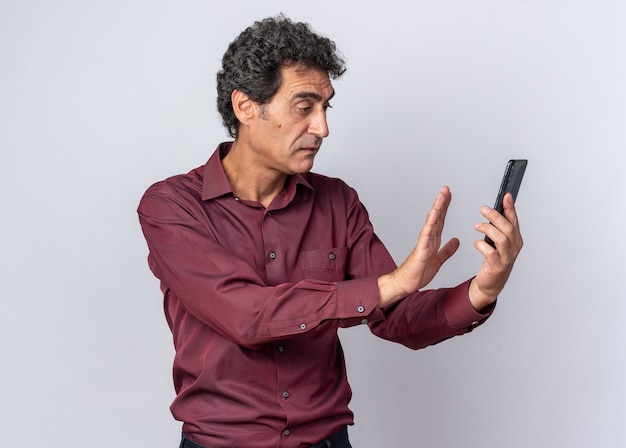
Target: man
{"type": "Point", "coordinates": [260, 260]}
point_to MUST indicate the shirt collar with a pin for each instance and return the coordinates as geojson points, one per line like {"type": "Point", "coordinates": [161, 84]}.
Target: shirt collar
{"type": "Point", "coordinates": [215, 183]}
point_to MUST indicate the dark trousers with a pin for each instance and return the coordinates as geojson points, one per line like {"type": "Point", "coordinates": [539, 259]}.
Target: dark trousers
{"type": "Point", "coordinates": [337, 440]}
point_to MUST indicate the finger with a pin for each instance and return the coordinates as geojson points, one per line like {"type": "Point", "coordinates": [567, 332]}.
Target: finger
{"type": "Point", "coordinates": [429, 238]}
{"type": "Point", "coordinates": [510, 211]}
{"type": "Point", "coordinates": [497, 220]}
{"type": "Point", "coordinates": [507, 239]}
{"type": "Point", "coordinates": [437, 215]}
{"type": "Point", "coordinates": [443, 201]}
{"type": "Point", "coordinates": [448, 250]}
{"type": "Point", "coordinates": [491, 231]}
{"type": "Point", "coordinates": [486, 250]}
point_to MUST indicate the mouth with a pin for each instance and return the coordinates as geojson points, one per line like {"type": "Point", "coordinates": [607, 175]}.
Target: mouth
{"type": "Point", "coordinates": [309, 151]}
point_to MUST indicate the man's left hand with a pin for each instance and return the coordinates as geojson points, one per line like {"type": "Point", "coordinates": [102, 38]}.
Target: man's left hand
{"type": "Point", "coordinates": [497, 264]}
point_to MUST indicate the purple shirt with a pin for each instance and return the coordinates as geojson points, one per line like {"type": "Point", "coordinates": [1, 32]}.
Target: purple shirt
{"type": "Point", "coordinates": [254, 297]}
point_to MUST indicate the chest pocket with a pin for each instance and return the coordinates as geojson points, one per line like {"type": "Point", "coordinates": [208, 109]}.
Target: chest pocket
{"type": "Point", "coordinates": [325, 264]}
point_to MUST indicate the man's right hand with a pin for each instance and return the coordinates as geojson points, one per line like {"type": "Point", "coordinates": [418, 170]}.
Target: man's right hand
{"type": "Point", "coordinates": [427, 257]}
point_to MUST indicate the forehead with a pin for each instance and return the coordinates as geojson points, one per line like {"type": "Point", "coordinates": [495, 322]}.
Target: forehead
{"type": "Point", "coordinates": [298, 81]}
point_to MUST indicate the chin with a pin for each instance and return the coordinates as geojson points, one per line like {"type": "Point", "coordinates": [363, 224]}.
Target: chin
{"type": "Point", "coordinates": [303, 168]}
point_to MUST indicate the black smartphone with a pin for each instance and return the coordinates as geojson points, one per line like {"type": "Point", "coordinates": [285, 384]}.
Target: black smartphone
{"type": "Point", "coordinates": [511, 182]}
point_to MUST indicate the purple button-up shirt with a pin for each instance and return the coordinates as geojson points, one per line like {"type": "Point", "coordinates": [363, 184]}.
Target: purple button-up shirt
{"type": "Point", "coordinates": [254, 297]}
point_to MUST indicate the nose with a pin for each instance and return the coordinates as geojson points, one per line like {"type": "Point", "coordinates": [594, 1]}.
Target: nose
{"type": "Point", "coordinates": [319, 125]}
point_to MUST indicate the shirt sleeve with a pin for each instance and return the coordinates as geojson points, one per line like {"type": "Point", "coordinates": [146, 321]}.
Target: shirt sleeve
{"type": "Point", "coordinates": [423, 318]}
{"type": "Point", "coordinates": [227, 294]}
{"type": "Point", "coordinates": [431, 316]}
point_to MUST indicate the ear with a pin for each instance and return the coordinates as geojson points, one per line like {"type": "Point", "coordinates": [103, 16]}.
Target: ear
{"type": "Point", "coordinates": [243, 106]}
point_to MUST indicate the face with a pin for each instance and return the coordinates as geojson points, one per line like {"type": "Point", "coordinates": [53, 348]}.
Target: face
{"type": "Point", "coordinates": [286, 134]}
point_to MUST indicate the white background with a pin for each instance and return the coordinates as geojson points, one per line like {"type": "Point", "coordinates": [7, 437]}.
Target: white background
{"type": "Point", "coordinates": [99, 99]}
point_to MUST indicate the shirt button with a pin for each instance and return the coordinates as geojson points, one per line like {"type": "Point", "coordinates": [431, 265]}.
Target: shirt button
{"type": "Point", "coordinates": [360, 309]}
{"type": "Point", "coordinates": [281, 349]}
{"type": "Point", "coordinates": [287, 432]}
{"type": "Point", "coordinates": [332, 256]}
{"type": "Point", "coordinates": [364, 321]}
{"type": "Point", "coordinates": [475, 323]}
{"type": "Point", "coordinates": [272, 255]}
{"type": "Point", "coordinates": [285, 394]}
{"type": "Point", "coordinates": [302, 326]}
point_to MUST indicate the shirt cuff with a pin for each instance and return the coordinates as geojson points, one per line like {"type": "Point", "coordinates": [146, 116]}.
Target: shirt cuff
{"type": "Point", "coordinates": [357, 300]}
{"type": "Point", "coordinates": [459, 310]}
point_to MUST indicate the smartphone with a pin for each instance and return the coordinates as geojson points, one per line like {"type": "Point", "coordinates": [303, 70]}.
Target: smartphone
{"type": "Point", "coordinates": [511, 182]}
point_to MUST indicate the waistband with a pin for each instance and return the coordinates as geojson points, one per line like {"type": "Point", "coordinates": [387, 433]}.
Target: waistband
{"type": "Point", "coordinates": [337, 440]}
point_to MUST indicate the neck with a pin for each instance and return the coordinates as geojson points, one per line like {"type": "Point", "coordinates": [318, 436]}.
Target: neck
{"type": "Point", "coordinates": [249, 180]}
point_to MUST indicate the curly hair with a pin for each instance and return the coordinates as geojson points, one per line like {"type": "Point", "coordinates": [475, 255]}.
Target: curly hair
{"type": "Point", "coordinates": [253, 62]}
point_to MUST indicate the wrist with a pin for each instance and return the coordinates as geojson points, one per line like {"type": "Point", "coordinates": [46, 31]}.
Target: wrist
{"type": "Point", "coordinates": [388, 291]}
{"type": "Point", "coordinates": [479, 298]}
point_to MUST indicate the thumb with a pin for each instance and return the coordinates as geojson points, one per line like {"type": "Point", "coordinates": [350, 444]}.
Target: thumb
{"type": "Point", "coordinates": [448, 250]}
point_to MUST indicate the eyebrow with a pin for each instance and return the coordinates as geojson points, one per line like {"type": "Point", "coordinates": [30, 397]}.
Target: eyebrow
{"type": "Point", "coordinates": [315, 96]}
